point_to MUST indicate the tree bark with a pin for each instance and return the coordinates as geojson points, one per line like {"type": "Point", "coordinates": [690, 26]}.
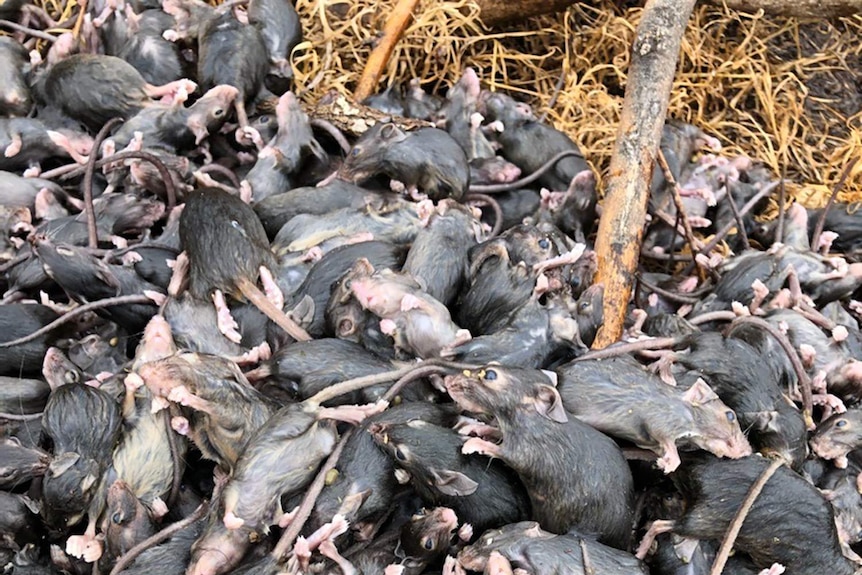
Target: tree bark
{"type": "Point", "coordinates": [795, 8]}
{"type": "Point", "coordinates": [499, 12]}
{"type": "Point", "coordinates": [655, 53]}
{"type": "Point", "coordinates": [398, 21]}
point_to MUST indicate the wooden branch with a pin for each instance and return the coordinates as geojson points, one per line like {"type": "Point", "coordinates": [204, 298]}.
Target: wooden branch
{"type": "Point", "coordinates": [795, 8]}
{"type": "Point", "coordinates": [497, 12]}
{"type": "Point", "coordinates": [398, 21]}
{"type": "Point", "coordinates": [655, 53]}
{"type": "Point", "coordinates": [500, 12]}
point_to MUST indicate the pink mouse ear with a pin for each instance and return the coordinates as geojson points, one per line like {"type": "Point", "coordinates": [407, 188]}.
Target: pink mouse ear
{"type": "Point", "coordinates": [391, 133]}
{"type": "Point", "coordinates": [550, 404]}
{"type": "Point", "coordinates": [699, 393]}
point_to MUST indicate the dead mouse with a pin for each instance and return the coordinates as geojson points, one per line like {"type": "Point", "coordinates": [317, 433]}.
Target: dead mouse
{"type": "Point", "coordinates": [429, 160]}
{"type": "Point", "coordinates": [539, 440]}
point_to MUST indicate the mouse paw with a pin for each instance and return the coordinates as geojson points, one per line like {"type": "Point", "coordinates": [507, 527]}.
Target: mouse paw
{"type": "Point", "coordinates": [184, 397]}
{"type": "Point", "coordinates": [255, 355]}
{"type": "Point", "coordinates": [452, 567]}
{"type": "Point", "coordinates": [388, 327]}
{"type": "Point", "coordinates": [158, 403]}
{"type": "Point", "coordinates": [302, 552]}
{"type": "Point", "coordinates": [248, 136]}
{"type": "Point", "coordinates": [394, 569]}
{"type": "Point", "coordinates": [480, 446]}
{"type": "Point", "coordinates": [181, 425]}
{"type": "Point", "coordinates": [32, 172]}
{"type": "Point", "coordinates": [840, 333]}
{"type": "Point", "coordinates": [231, 521]}
{"type": "Point", "coordinates": [226, 323]}
{"type": "Point", "coordinates": [133, 382]}
{"type": "Point", "coordinates": [84, 547]}
{"type": "Point", "coordinates": [313, 254]}
{"type": "Point", "coordinates": [775, 569]}
{"type": "Point", "coordinates": [670, 461]}
{"type": "Point", "coordinates": [14, 148]}
{"type": "Point", "coordinates": [270, 288]}
{"type": "Point", "coordinates": [159, 508]}
{"type": "Point", "coordinates": [465, 532]}
{"type": "Point", "coordinates": [245, 191]}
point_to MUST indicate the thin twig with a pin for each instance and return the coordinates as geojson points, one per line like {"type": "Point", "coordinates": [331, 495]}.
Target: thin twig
{"type": "Point", "coordinates": [126, 559]}
{"type": "Point", "coordinates": [821, 221]}
{"type": "Point", "coordinates": [89, 210]}
{"type": "Point", "coordinates": [792, 355]}
{"type": "Point", "coordinates": [110, 302]}
{"type": "Point", "coordinates": [677, 200]}
{"type": "Point", "coordinates": [740, 225]}
{"type": "Point", "coordinates": [741, 514]}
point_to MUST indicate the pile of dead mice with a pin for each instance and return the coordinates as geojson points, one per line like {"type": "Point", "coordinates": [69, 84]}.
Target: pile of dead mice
{"type": "Point", "coordinates": [176, 349]}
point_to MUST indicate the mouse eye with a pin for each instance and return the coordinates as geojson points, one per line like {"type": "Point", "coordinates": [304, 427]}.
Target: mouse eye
{"type": "Point", "coordinates": [584, 305]}
{"type": "Point", "coordinates": [428, 544]}
{"type": "Point", "coordinates": [731, 417]}
{"type": "Point", "coordinates": [117, 518]}
{"type": "Point", "coordinates": [399, 455]}
{"type": "Point", "coordinates": [355, 151]}
{"type": "Point", "coordinates": [71, 377]}
{"type": "Point", "coordinates": [264, 119]}
{"type": "Point", "coordinates": [218, 112]}
{"type": "Point", "coordinates": [421, 513]}
{"type": "Point", "coordinates": [841, 423]}
{"type": "Point", "coordinates": [544, 243]}
{"type": "Point", "coordinates": [490, 375]}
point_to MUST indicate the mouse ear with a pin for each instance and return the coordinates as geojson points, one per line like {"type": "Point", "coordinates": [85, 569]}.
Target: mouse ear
{"type": "Point", "coordinates": [350, 505]}
{"type": "Point", "coordinates": [392, 134]}
{"type": "Point", "coordinates": [549, 404]}
{"type": "Point", "coordinates": [699, 393]}
{"type": "Point", "coordinates": [763, 420]}
{"type": "Point", "coordinates": [63, 463]}
{"type": "Point", "coordinates": [453, 483]}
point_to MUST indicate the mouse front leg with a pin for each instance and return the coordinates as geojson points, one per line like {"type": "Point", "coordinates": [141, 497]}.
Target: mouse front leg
{"type": "Point", "coordinates": [184, 397]}
{"type": "Point", "coordinates": [482, 447]}
{"type": "Point", "coordinates": [87, 546]}
{"type": "Point", "coordinates": [670, 460]}
{"type": "Point", "coordinates": [270, 288]}
{"type": "Point", "coordinates": [329, 550]}
{"type": "Point", "coordinates": [226, 323]}
{"type": "Point", "coordinates": [14, 148]}
{"type": "Point", "coordinates": [354, 414]}
{"type": "Point", "coordinates": [656, 528]}
{"type": "Point", "coordinates": [179, 275]}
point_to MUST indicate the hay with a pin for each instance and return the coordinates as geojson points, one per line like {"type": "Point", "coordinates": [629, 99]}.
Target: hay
{"type": "Point", "coordinates": [781, 91]}
{"type": "Point", "coordinates": [785, 92]}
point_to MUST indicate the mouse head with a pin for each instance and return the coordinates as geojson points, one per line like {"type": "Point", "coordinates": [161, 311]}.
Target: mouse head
{"type": "Point", "coordinates": [364, 159]}
{"type": "Point", "coordinates": [476, 555]}
{"type": "Point", "coordinates": [838, 435]}
{"type": "Point", "coordinates": [209, 113]}
{"type": "Point", "coordinates": [500, 392]}
{"type": "Point", "coordinates": [68, 487]}
{"type": "Point", "coordinates": [429, 453]}
{"type": "Point", "coordinates": [716, 427]}
{"type": "Point", "coordinates": [428, 533]}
